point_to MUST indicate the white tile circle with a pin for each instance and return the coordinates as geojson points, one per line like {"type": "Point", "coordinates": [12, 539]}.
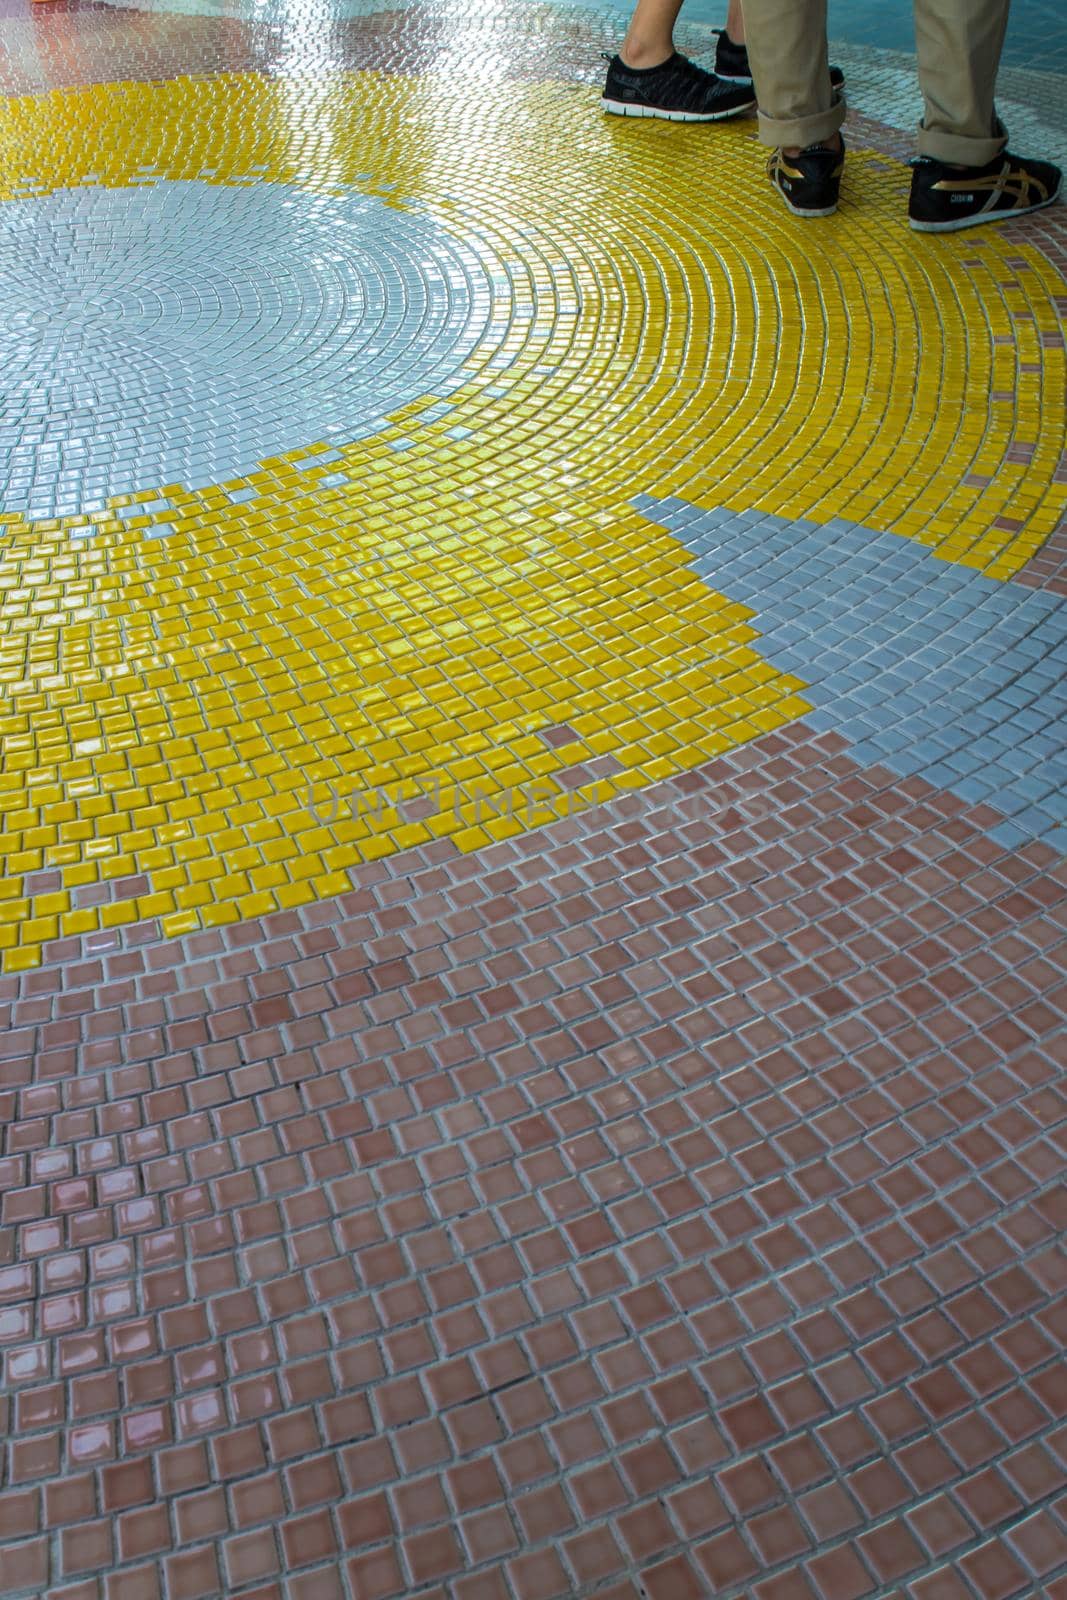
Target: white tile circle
{"type": "Point", "coordinates": [182, 332]}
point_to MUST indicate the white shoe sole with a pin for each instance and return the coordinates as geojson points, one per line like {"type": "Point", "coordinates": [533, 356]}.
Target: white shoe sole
{"type": "Point", "coordinates": [959, 223]}
{"type": "Point", "coordinates": [746, 77]}
{"type": "Point", "coordinates": [799, 211]}
{"type": "Point", "coordinates": [623, 108]}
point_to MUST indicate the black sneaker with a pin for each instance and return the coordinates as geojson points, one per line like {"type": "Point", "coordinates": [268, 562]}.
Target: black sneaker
{"type": "Point", "coordinates": [677, 90]}
{"type": "Point", "coordinates": [731, 62]}
{"type": "Point", "coordinates": [810, 182]}
{"type": "Point", "coordinates": [945, 198]}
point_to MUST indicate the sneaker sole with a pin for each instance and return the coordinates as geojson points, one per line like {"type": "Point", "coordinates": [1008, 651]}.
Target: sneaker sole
{"type": "Point", "coordinates": [746, 77]}
{"type": "Point", "coordinates": [804, 211]}
{"type": "Point", "coordinates": [959, 223]}
{"type": "Point", "coordinates": [623, 108]}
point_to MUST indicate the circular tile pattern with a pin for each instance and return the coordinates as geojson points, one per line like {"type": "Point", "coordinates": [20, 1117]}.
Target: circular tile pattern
{"type": "Point", "coordinates": [476, 601]}
{"type": "Point", "coordinates": [665, 1202]}
{"type": "Point", "coordinates": [181, 332]}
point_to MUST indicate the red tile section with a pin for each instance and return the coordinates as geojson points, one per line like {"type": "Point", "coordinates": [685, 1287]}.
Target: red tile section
{"type": "Point", "coordinates": [669, 1203]}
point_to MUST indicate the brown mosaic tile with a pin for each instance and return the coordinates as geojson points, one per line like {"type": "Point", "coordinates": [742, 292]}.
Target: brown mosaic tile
{"type": "Point", "coordinates": [668, 1203]}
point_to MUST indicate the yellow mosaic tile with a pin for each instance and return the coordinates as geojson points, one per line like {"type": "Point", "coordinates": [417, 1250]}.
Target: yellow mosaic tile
{"type": "Point", "coordinates": [194, 697]}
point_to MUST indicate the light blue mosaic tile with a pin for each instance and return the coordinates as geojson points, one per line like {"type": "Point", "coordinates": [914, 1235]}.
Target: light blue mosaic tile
{"type": "Point", "coordinates": [124, 345]}
{"type": "Point", "coordinates": [967, 694]}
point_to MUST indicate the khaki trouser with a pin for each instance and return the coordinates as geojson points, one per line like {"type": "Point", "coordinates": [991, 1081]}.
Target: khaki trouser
{"type": "Point", "coordinates": [958, 44]}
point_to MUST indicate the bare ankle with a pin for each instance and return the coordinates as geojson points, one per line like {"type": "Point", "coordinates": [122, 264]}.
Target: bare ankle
{"type": "Point", "coordinates": [643, 53]}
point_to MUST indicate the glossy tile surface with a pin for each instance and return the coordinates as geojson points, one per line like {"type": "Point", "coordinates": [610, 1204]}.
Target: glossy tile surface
{"type": "Point", "coordinates": [533, 756]}
{"type": "Point", "coordinates": [397, 399]}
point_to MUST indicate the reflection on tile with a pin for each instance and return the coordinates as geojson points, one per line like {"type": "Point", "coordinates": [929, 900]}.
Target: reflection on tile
{"type": "Point", "coordinates": [265, 437]}
{"type": "Point", "coordinates": [359, 309]}
{"type": "Point", "coordinates": [531, 702]}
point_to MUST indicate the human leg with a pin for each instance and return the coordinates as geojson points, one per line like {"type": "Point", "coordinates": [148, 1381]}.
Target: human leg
{"type": "Point", "coordinates": [958, 44]}
{"type": "Point", "coordinates": [965, 175]}
{"type": "Point", "coordinates": [800, 109]}
{"type": "Point", "coordinates": [648, 78]}
{"type": "Point", "coordinates": [650, 36]}
{"type": "Point", "coordinates": [731, 56]}
{"type": "Point", "coordinates": [786, 42]}
{"type": "Point", "coordinates": [649, 39]}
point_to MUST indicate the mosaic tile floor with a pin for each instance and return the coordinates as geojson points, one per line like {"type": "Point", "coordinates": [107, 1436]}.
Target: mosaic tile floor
{"type": "Point", "coordinates": [532, 764]}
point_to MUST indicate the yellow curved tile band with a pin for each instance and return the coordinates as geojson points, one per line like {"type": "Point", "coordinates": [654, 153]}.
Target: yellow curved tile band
{"type": "Point", "coordinates": [188, 718]}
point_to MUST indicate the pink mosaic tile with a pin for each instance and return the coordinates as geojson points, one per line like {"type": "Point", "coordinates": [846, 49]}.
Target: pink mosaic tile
{"type": "Point", "coordinates": [715, 1308]}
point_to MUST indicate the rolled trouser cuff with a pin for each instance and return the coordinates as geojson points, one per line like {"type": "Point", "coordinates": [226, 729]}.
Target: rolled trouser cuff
{"type": "Point", "coordinates": [961, 150]}
{"type": "Point", "coordinates": [798, 132]}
